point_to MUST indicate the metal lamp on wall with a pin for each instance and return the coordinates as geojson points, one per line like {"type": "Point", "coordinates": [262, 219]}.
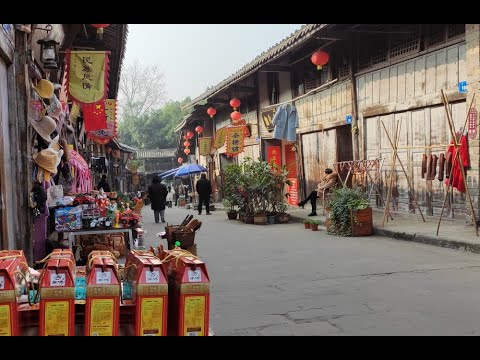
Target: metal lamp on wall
{"type": "Point", "coordinates": [49, 51]}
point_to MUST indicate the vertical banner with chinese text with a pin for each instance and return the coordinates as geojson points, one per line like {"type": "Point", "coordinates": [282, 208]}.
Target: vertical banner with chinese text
{"type": "Point", "coordinates": [87, 76]}
{"type": "Point", "coordinates": [234, 140]}
{"type": "Point", "coordinates": [220, 136]}
{"type": "Point", "coordinates": [205, 145]}
{"type": "Point", "coordinates": [293, 191]}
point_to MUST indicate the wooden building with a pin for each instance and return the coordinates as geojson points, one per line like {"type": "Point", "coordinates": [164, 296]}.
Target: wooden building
{"type": "Point", "coordinates": [375, 73]}
{"type": "Point", "coordinates": [20, 68]}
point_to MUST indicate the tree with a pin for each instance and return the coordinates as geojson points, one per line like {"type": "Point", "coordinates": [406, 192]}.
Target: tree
{"type": "Point", "coordinates": [142, 89]}
{"type": "Point", "coordinates": [153, 129]}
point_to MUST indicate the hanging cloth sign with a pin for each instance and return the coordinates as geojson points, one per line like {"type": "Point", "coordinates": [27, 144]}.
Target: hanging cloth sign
{"type": "Point", "coordinates": [205, 145]}
{"type": "Point", "coordinates": [110, 132]}
{"type": "Point", "coordinates": [220, 136]}
{"type": "Point", "coordinates": [234, 140]}
{"type": "Point", "coordinates": [94, 116]}
{"type": "Point", "coordinates": [472, 123]}
{"type": "Point", "coordinates": [87, 76]}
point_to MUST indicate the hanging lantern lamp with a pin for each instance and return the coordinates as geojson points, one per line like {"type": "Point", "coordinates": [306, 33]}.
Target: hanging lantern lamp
{"type": "Point", "coordinates": [180, 160]}
{"type": "Point", "coordinates": [186, 144]}
{"type": "Point", "coordinates": [189, 135]}
{"type": "Point", "coordinates": [186, 151]}
{"type": "Point", "coordinates": [211, 111]}
{"type": "Point", "coordinates": [235, 115]}
{"type": "Point", "coordinates": [100, 28]}
{"type": "Point", "coordinates": [199, 129]}
{"type": "Point", "coordinates": [235, 103]}
{"type": "Point", "coordinates": [320, 58]}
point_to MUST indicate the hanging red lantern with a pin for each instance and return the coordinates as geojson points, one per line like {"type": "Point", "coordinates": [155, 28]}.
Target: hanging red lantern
{"type": "Point", "coordinates": [100, 28]}
{"type": "Point", "coordinates": [199, 129]}
{"type": "Point", "coordinates": [185, 137]}
{"type": "Point", "coordinates": [186, 144]}
{"type": "Point", "coordinates": [180, 160]}
{"type": "Point", "coordinates": [235, 103]}
{"type": "Point", "coordinates": [236, 115]}
{"type": "Point", "coordinates": [211, 111]}
{"type": "Point", "coordinates": [320, 58]}
{"type": "Point", "coordinates": [189, 135]}
{"type": "Point", "coordinates": [186, 151]}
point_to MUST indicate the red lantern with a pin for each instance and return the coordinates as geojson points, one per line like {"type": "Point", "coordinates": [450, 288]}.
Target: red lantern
{"type": "Point", "coordinates": [100, 28]}
{"type": "Point", "coordinates": [199, 129]}
{"type": "Point", "coordinates": [236, 115]}
{"type": "Point", "coordinates": [320, 58]}
{"type": "Point", "coordinates": [185, 137]}
{"type": "Point", "coordinates": [180, 160]}
{"type": "Point", "coordinates": [186, 151]}
{"type": "Point", "coordinates": [235, 103]}
{"type": "Point", "coordinates": [189, 135]}
{"type": "Point", "coordinates": [211, 111]}
{"type": "Point", "coordinates": [186, 144]}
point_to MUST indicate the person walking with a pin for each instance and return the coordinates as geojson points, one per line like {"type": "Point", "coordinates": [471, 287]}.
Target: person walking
{"type": "Point", "coordinates": [204, 190]}
{"type": "Point", "coordinates": [103, 184]}
{"type": "Point", "coordinates": [157, 192]}
{"type": "Point", "coordinates": [329, 181]}
{"type": "Point", "coordinates": [170, 196]}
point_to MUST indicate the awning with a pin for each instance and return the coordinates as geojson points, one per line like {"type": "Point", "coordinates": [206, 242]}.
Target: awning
{"type": "Point", "coordinates": [168, 173]}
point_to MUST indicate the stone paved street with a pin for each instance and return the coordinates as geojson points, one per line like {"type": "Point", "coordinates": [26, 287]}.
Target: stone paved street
{"type": "Point", "coordinates": [285, 280]}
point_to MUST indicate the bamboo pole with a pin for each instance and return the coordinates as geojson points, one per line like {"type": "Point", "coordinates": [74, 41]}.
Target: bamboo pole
{"type": "Point", "coordinates": [392, 170]}
{"type": "Point", "coordinates": [406, 175]}
{"type": "Point", "coordinates": [451, 125]}
{"type": "Point", "coordinates": [451, 170]}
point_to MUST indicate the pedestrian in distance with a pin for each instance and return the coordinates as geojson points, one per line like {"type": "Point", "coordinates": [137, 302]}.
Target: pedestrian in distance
{"type": "Point", "coordinates": [170, 196]}
{"type": "Point", "coordinates": [204, 190]}
{"type": "Point", "coordinates": [157, 192]}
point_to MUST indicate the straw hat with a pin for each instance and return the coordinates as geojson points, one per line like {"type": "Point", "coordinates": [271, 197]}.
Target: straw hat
{"type": "Point", "coordinates": [45, 127]}
{"type": "Point", "coordinates": [44, 88]}
{"type": "Point", "coordinates": [48, 159]}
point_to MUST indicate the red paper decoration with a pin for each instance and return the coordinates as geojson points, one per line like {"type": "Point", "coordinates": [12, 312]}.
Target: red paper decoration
{"type": "Point", "coordinates": [235, 103]}
{"type": "Point", "coordinates": [320, 58]}
{"type": "Point", "coordinates": [211, 111]}
{"type": "Point", "coordinates": [236, 115]}
{"type": "Point", "coordinates": [199, 129]}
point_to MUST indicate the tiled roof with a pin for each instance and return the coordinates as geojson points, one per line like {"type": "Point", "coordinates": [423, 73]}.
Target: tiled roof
{"type": "Point", "coordinates": [302, 34]}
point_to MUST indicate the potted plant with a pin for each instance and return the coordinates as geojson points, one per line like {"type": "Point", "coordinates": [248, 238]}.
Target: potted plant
{"type": "Point", "coordinates": [351, 213]}
{"type": "Point", "coordinates": [307, 223]}
{"type": "Point", "coordinates": [282, 216]}
{"type": "Point", "coordinates": [314, 224]}
{"type": "Point", "coordinates": [232, 191]}
{"type": "Point", "coordinates": [271, 217]}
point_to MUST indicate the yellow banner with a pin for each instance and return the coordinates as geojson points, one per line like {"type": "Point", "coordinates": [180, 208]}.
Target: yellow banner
{"type": "Point", "coordinates": [87, 76]}
{"type": "Point", "coordinates": [220, 138]}
{"type": "Point", "coordinates": [205, 145]}
{"type": "Point", "coordinates": [234, 140]}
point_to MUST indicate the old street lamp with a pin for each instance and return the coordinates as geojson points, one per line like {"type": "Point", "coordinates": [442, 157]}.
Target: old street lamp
{"type": "Point", "coordinates": [100, 28]}
{"type": "Point", "coordinates": [235, 115]}
{"type": "Point", "coordinates": [235, 103]}
{"type": "Point", "coordinates": [211, 111]}
{"type": "Point", "coordinates": [180, 160]}
{"type": "Point", "coordinates": [186, 151]}
{"type": "Point", "coordinates": [199, 129]}
{"type": "Point", "coordinates": [48, 50]}
{"type": "Point", "coordinates": [320, 58]}
{"type": "Point", "coordinates": [186, 144]}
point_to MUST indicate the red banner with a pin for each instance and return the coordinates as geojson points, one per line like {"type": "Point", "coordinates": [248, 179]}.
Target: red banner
{"type": "Point", "coordinates": [293, 191]}
{"type": "Point", "coordinates": [274, 153]}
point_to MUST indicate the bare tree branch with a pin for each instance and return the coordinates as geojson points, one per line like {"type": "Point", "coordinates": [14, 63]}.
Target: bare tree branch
{"type": "Point", "coordinates": [142, 88]}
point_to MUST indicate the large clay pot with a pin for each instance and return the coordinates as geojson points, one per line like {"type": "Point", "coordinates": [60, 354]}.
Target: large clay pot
{"type": "Point", "coordinates": [314, 227]}
{"type": "Point", "coordinates": [260, 219]}
{"type": "Point", "coordinates": [283, 218]}
{"type": "Point", "coordinates": [232, 215]}
{"type": "Point", "coordinates": [248, 219]}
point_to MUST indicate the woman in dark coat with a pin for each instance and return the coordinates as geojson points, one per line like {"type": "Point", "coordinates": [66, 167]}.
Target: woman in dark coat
{"type": "Point", "coordinates": [157, 192]}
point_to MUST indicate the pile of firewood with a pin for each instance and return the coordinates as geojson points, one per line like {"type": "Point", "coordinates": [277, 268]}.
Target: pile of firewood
{"type": "Point", "coordinates": [183, 233]}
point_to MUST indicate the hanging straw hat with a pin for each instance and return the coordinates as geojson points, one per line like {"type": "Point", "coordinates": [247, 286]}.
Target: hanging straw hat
{"type": "Point", "coordinates": [45, 127]}
{"type": "Point", "coordinates": [44, 89]}
{"type": "Point", "coordinates": [48, 159]}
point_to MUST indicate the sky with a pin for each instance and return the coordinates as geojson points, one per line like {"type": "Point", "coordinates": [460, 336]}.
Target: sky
{"type": "Point", "coordinates": [195, 56]}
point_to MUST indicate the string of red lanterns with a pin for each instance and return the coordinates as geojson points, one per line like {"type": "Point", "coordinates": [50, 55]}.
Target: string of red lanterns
{"type": "Point", "coordinates": [211, 111]}
{"type": "Point", "coordinates": [199, 129]}
{"type": "Point", "coordinates": [235, 103]}
{"type": "Point", "coordinates": [236, 115]}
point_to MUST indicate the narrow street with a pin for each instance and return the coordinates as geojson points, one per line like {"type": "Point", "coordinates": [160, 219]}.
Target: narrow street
{"type": "Point", "coordinates": [285, 280]}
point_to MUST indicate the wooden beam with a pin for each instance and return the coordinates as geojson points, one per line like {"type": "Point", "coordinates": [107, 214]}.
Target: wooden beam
{"type": "Point", "coordinates": [217, 100]}
{"type": "Point", "coordinates": [332, 35]}
{"type": "Point", "coordinates": [275, 68]}
{"type": "Point", "coordinates": [244, 89]}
